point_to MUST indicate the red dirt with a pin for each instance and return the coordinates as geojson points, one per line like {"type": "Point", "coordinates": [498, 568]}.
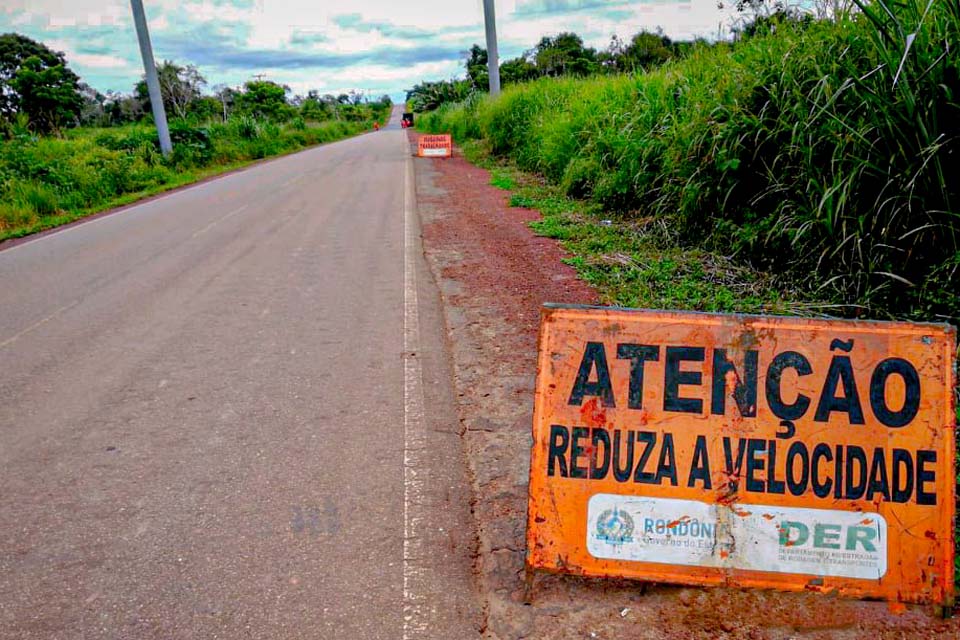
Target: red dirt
{"type": "Point", "coordinates": [494, 274]}
{"type": "Point", "coordinates": [502, 259]}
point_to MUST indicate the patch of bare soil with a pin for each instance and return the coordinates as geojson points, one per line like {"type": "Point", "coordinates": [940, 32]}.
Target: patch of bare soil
{"type": "Point", "coordinates": [494, 274]}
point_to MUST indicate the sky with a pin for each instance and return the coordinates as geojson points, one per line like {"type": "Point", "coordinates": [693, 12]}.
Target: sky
{"type": "Point", "coordinates": [373, 46]}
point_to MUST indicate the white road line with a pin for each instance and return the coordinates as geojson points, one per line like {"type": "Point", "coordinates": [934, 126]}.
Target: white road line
{"type": "Point", "coordinates": [38, 323]}
{"type": "Point", "coordinates": [414, 623]}
{"type": "Point", "coordinates": [239, 209]}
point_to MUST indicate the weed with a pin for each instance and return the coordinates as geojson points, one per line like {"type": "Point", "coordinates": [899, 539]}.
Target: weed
{"type": "Point", "coordinates": [502, 181]}
{"type": "Point", "coordinates": [522, 201]}
{"type": "Point", "coordinates": [35, 197]}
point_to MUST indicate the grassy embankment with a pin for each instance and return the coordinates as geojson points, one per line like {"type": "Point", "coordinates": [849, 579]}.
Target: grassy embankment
{"type": "Point", "coordinates": [46, 181]}
{"type": "Point", "coordinates": [813, 171]}
{"type": "Point", "coordinates": [810, 155]}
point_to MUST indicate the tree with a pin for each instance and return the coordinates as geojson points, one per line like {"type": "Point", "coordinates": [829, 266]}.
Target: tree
{"type": "Point", "coordinates": [315, 108]}
{"type": "Point", "coordinates": [646, 51]}
{"type": "Point", "coordinates": [53, 97]}
{"type": "Point", "coordinates": [92, 113]}
{"type": "Point", "coordinates": [517, 70]}
{"type": "Point", "coordinates": [227, 96]}
{"type": "Point", "coordinates": [48, 95]}
{"type": "Point", "coordinates": [179, 86]}
{"type": "Point", "coordinates": [477, 72]}
{"type": "Point", "coordinates": [333, 104]}
{"type": "Point", "coordinates": [427, 96]}
{"type": "Point", "coordinates": [205, 108]}
{"type": "Point", "coordinates": [265, 99]}
{"type": "Point", "coordinates": [122, 108]}
{"type": "Point", "coordinates": [564, 54]}
{"type": "Point", "coordinates": [610, 59]}
{"type": "Point", "coordinates": [759, 17]}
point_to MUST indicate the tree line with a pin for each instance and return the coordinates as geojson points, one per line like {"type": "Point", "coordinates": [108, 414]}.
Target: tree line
{"type": "Point", "coordinates": [565, 54]}
{"type": "Point", "coordinates": [39, 91]}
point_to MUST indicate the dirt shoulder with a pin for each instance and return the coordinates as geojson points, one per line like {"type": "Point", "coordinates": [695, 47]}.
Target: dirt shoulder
{"type": "Point", "coordinates": [494, 274]}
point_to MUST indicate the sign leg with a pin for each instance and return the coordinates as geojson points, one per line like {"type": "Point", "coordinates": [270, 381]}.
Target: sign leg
{"type": "Point", "coordinates": [528, 581]}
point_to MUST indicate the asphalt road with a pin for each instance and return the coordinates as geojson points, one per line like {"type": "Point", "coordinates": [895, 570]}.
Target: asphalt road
{"type": "Point", "coordinates": [226, 413]}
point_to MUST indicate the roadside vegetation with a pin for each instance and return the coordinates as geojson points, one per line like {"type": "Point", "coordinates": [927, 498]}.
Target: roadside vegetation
{"type": "Point", "coordinates": [67, 150]}
{"type": "Point", "coordinates": [823, 152]}
{"type": "Point", "coordinates": [637, 262]}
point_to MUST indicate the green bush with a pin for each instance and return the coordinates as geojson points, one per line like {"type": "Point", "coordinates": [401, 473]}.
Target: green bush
{"type": "Point", "coordinates": [245, 128]}
{"type": "Point", "coordinates": [44, 181]}
{"type": "Point", "coordinates": [192, 145]}
{"type": "Point", "coordinates": [132, 141]}
{"type": "Point", "coordinates": [826, 151]}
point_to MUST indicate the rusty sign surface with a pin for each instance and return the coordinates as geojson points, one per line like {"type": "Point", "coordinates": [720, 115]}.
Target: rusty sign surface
{"type": "Point", "coordinates": [752, 451]}
{"type": "Point", "coordinates": [435, 146]}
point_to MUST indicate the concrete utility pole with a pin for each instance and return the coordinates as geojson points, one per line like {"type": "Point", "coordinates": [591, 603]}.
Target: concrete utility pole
{"type": "Point", "coordinates": [153, 83]}
{"type": "Point", "coordinates": [493, 60]}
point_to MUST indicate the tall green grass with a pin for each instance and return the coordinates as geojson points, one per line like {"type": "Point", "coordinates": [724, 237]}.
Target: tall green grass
{"type": "Point", "coordinates": [47, 181]}
{"type": "Point", "coordinates": [827, 152]}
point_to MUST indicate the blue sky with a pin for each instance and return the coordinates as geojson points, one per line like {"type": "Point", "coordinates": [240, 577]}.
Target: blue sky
{"type": "Point", "coordinates": [374, 46]}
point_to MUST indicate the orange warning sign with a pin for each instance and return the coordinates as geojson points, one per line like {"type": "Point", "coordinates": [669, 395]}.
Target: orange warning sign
{"type": "Point", "coordinates": [750, 451]}
{"type": "Point", "coordinates": [438, 146]}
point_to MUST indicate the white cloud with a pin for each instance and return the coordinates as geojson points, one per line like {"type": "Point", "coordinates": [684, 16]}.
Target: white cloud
{"type": "Point", "coordinates": [346, 41]}
{"type": "Point", "coordinates": [99, 61]}
{"type": "Point", "coordinates": [84, 62]}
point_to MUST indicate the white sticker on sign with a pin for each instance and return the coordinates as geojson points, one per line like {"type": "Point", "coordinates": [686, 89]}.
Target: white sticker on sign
{"type": "Point", "coordinates": [433, 151]}
{"type": "Point", "coordinates": [818, 542]}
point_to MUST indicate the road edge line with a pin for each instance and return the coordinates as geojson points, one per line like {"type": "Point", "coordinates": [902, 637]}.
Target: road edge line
{"type": "Point", "coordinates": [413, 411]}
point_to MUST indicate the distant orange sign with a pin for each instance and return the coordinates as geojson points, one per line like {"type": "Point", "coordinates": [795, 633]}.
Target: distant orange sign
{"type": "Point", "coordinates": [438, 146]}
{"type": "Point", "coordinates": [749, 451]}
